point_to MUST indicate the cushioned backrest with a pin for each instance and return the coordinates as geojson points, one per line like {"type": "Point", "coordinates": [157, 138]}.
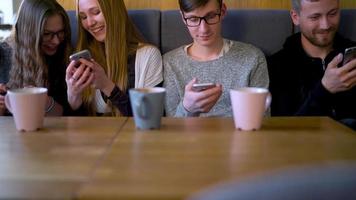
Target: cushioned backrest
{"type": "Point", "coordinates": [173, 31]}
{"type": "Point", "coordinates": [265, 29]}
{"type": "Point", "coordinates": [73, 26]}
{"type": "Point", "coordinates": [348, 23]}
{"type": "Point", "coordinates": [146, 21]}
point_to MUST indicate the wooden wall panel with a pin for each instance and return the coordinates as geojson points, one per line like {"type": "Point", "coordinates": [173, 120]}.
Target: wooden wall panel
{"type": "Point", "coordinates": [173, 4]}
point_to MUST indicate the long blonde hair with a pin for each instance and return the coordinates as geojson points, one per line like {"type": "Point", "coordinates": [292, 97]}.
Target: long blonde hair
{"type": "Point", "coordinates": [122, 40]}
{"type": "Point", "coordinates": [29, 64]}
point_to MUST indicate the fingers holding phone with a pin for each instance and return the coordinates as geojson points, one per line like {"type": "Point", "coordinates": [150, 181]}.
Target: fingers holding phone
{"type": "Point", "coordinates": [197, 87]}
{"type": "Point", "coordinates": [85, 54]}
{"type": "Point", "coordinates": [200, 98]}
{"type": "Point", "coordinates": [101, 80]}
{"type": "Point", "coordinates": [349, 55]}
{"type": "Point", "coordinates": [339, 79]}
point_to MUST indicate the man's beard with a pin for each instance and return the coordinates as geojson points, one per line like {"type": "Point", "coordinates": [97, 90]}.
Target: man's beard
{"type": "Point", "coordinates": [321, 42]}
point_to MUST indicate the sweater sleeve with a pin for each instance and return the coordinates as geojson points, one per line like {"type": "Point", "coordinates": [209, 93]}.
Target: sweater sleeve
{"type": "Point", "coordinates": [148, 67]}
{"type": "Point", "coordinates": [259, 75]}
{"type": "Point", "coordinates": [174, 101]}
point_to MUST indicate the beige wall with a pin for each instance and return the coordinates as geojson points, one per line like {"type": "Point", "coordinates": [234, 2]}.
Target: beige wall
{"type": "Point", "coordinates": [172, 4]}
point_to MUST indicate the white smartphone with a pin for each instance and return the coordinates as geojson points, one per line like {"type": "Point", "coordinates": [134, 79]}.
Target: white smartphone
{"type": "Point", "coordinates": [350, 54]}
{"type": "Point", "coordinates": [202, 86]}
{"type": "Point", "coordinates": [81, 54]}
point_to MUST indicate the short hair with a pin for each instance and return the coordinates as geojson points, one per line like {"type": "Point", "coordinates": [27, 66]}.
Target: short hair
{"type": "Point", "coordinates": [297, 4]}
{"type": "Point", "coordinates": [190, 5]}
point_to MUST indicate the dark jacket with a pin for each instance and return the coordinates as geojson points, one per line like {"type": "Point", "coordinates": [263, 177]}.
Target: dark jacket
{"type": "Point", "coordinates": [295, 83]}
{"type": "Point", "coordinates": [5, 61]}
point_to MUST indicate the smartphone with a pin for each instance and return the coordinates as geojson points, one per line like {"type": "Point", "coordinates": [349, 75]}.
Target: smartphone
{"type": "Point", "coordinates": [350, 54]}
{"type": "Point", "coordinates": [202, 86]}
{"type": "Point", "coordinates": [81, 54]}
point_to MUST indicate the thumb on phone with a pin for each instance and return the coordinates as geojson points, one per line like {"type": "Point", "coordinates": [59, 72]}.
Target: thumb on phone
{"type": "Point", "coordinates": [189, 86]}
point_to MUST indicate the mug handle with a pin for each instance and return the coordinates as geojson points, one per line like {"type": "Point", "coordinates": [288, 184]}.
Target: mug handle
{"type": "Point", "coordinates": [143, 109]}
{"type": "Point", "coordinates": [7, 103]}
{"type": "Point", "coordinates": [268, 101]}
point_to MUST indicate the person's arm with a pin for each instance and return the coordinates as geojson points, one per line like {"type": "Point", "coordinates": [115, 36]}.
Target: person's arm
{"type": "Point", "coordinates": [317, 102]}
{"type": "Point", "coordinates": [148, 67]}
{"type": "Point", "coordinates": [181, 99]}
{"type": "Point", "coordinates": [77, 80]}
{"type": "Point", "coordinates": [148, 73]}
{"type": "Point", "coordinates": [173, 100]}
{"type": "Point", "coordinates": [259, 75]}
{"type": "Point", "coordinates": [335, 80]}
{"type": "Point", "coordinates": [286, 95]}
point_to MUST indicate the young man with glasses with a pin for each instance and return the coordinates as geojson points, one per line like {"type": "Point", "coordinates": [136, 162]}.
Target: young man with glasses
{"type": "Point", "coordinates": [209, 59]}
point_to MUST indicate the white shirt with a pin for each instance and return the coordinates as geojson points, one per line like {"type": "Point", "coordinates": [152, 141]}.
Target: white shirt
{"type": "Point", "coordinates": [148, 73]}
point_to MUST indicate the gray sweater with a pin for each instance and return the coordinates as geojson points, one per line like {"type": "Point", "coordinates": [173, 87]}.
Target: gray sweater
{"type": "Point", "coordinates": [243, 65]}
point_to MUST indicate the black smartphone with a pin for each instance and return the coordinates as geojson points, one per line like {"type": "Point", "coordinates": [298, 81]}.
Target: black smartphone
{"type": "Point", "coordinates": [202, 86]}
{"type": "Point", "coordinates": [81, 54]}
{"type": "Point", "coordinates": [350, 54]}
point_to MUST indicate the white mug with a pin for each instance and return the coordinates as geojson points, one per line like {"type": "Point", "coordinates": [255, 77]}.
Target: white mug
{"type": "Point", "coordinates": [27, 106]}
{"type": "Point", "coordinates": [249, 105]}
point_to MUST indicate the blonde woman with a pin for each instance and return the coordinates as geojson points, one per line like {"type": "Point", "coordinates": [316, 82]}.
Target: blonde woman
{"type": "Point", "coordinates": [40, 44]}
{"type": "Point", "coordinates": [121, 60]}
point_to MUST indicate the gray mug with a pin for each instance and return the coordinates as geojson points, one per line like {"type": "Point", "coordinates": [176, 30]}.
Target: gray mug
{"type": "Point", "coordinates": [147, 106]}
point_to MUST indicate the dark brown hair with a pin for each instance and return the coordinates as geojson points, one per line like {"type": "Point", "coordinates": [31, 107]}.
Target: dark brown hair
{"type": "Point", "coordinates": [190, 5]}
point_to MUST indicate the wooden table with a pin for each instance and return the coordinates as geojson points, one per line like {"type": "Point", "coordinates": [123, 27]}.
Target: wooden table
{"type": "Point", "coordinates": [55, 161]}
{"type": "Point", "coordinates": [187, 155]}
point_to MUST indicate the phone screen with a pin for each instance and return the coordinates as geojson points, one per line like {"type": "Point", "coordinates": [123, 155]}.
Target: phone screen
{"type": "Point", "coordinates": [202, 86]}
{"type": "Point", "coordinates": [350, 54]}
{"type": "Point", "coordinates": [81, 54]}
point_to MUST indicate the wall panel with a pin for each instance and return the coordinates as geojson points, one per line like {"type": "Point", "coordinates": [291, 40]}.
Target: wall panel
{"type": "Point", "coordinates": [173, 4]}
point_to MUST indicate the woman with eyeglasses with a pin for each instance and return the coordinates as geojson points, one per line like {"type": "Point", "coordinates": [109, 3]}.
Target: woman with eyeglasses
{"type": "Point", "coordinates": [120, 60]}
{"type": "Point", "coordinates": [40, 44]}
{"type": "Point", "coordinates": [209, 59]}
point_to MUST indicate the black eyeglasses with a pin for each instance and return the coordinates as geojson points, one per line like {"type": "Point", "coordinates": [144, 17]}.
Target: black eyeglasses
{"type": "Point", "coordinates": [211, 19]}
{"type": "Point", "coordinates": [48, 36]}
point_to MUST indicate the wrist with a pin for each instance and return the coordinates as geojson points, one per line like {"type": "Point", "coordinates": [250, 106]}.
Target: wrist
{"type": "Point", "coordinates": [75, 101]}
{"type": "Point", "coordinates": [186, 108]}
{"type": "Point", "coordinates": [183, 110]}
{"type": "Point", "coordinates": [107, 90]}
{"type": "Point", "coordinates": [325, 85]}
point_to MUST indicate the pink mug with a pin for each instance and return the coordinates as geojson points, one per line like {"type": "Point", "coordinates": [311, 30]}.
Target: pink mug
{"type": "Point", "coordinates": [249, 105]}
{"type": "Point", "coordinates": [27, 106]}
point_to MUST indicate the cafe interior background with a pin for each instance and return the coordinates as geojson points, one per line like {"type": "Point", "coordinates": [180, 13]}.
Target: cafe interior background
{"type": "Point", "coordinates": [8, 10]}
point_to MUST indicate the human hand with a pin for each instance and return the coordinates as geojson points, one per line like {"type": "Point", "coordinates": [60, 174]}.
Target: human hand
{"type": "Point", "coordinates": [3, 91]}
{"type": "Point", "coordinates": [203, 101]}
{"type": "Point", "coordinates": [101, 80]}
{"type": "Point", "coordinates": [339, 79]}
{"type": "Point", "coordinates": [78, 78]}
